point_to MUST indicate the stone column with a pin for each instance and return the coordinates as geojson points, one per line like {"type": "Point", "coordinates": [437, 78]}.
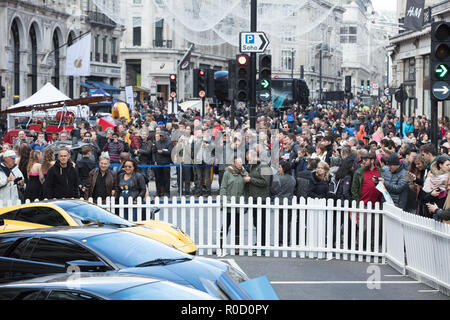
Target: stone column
{"type": "Point", "coordinates": [419, 85]}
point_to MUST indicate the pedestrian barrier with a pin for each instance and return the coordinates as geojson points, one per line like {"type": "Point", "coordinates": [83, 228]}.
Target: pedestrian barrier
{"type": "Point", "coordinates": [307, 228]}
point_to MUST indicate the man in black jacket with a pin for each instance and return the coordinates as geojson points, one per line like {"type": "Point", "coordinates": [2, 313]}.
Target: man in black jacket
{"type": "Point", "coordinates": [85, 165]}
{"type": "Point", "coordinates": [62, 180]}
{"type": "Point", "coordinates": [145, 153]}
{"type": "Point", "coordinates": [162, 155]}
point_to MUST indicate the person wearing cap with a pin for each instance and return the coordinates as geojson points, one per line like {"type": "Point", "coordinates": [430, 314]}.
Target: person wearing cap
{"type": "Point", "coordinates": [10, 178]}
{"type": "Point", "coordinates": [395, 181]}
{"type": "Point", "coordinates": [363, 185]}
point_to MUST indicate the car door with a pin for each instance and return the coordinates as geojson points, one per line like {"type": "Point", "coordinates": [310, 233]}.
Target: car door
{"type": "Point", "coordinates": [6, 244]}
{"type": "Point", "coordinates": [22, 267]}
{"type": "Point", "coordinates": [41, 215]}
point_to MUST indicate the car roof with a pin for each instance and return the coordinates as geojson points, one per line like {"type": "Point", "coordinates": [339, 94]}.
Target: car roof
{"type": "Point", "coordinates": [75, 233]}
{"type": "Point", "coordinates": [98, 283]}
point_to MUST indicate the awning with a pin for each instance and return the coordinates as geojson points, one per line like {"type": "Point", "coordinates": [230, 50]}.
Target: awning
{"type": "Point", "coordinates": [87, 86]}
{"type": "Point", "coordinates": [104, 86]}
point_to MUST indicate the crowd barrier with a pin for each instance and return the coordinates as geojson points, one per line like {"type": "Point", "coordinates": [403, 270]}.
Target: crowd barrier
{"type": "Point", "coordinates": [319, 229]}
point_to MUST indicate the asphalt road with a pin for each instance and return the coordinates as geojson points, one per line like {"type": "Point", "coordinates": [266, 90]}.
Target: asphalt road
{"type": "Point", "coordinates": [312, 279]}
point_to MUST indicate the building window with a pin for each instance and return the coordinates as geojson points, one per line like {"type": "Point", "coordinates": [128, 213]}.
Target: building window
{"type": "Point", "coordinates": [137, 1]}
{"type": "Point", "coordinates": [113, 50]}
{"type": "Point", "coordinates": [159, 25]}
{"type": "Point", "coordinates": [105, 53]}
{"type": "Point", "coordinates": [289, 33]}
{"type": "Point", "coordinates": [96, 48]}
{"type": "Point", "coordinates": [137, 25]}
{"type": "Point", "coordinates": [34, 63]}
{"type": "Point", "coordinates": [348, 34]}
{"type": "Point", "coordinates": [56, 56]}
{"type": "Point", "coordinates": [16, 55]}
{"type": "Point", "coordinates": [286, 60]}
{"type": "Point", "coordinates": [409, 71]}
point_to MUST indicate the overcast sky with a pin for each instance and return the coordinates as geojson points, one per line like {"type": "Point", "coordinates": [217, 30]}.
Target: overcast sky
{"type": "Point", "coordinates": [390, 5]}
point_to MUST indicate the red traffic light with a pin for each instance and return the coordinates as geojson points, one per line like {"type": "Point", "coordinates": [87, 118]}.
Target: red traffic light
{"type": "Point", "coordinates": [242, 60]}
{"type": "Point", "coordinates": [173, 77]}
{"type": "Point", "coordinates": [201, 72]}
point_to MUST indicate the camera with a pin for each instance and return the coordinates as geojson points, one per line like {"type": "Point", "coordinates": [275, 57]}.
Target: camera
{"type": "Point", "coordinates": [16, 180]}
{"type": "Point", "coordinates": [376, 180]}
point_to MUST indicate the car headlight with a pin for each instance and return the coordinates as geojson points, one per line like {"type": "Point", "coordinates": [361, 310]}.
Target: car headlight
{"type": "Point", "coordinates": [236, 275]}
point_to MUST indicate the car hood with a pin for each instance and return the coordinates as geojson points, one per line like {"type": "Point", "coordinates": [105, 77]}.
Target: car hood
{"type": "Point", "coordinates": [188, 273]}
{"type": "Point", "coordinates": [162, 236]}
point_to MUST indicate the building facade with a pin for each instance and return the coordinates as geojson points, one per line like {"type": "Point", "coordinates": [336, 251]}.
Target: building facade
{"type": "Point", "coordinates": [151, 50]}
{"type": "Point", "coordinates": [364, 37]}
{"type": "Point", "coordinates": [35, 45]}
{"type": "Point", "coordinates": [315, 55]}
{"type": "Point", "coordinates": [410, 54]}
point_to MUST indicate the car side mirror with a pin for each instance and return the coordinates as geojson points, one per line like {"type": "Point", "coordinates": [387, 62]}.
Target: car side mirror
{"type": "Point", "coordinates": [87, 266]}
{"type": "Point", "coordinates": [154, 210]}
{"type": "Point", "coordinates": [2, 222]}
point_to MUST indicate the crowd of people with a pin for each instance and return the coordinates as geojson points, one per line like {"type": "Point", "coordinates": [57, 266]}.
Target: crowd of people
{"type": "Point", "coordinates": [331, 151]}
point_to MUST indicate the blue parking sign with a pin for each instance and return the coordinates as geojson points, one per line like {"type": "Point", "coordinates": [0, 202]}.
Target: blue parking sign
{"type": "Point", "coordinates": [249, 39]}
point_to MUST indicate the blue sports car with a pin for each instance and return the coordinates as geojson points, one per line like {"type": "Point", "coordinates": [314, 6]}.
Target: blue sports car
{"type": "Point", "coordinates": [33, 253]}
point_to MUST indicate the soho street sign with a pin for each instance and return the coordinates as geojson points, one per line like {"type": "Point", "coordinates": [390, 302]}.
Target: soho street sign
{"type": "Point", "coordinates": [441, 90]}
{"type": "Point", "coordinates": [253, 42]}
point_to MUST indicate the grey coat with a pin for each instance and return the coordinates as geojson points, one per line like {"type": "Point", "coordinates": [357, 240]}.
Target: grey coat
{"type": "Point", "coordinates": [397, 186]}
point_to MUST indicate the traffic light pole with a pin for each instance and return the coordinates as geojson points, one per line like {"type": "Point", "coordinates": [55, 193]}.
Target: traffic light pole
{"type": "Point", "coordinates": [434, 123]}
{"type": "Point", "coordinates": [252, 106]}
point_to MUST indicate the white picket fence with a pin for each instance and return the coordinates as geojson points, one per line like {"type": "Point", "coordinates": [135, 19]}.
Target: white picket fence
{"type": "Point", "coordinates": [319, 229]}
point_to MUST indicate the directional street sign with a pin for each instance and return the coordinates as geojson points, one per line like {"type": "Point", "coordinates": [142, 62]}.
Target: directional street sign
{"type": "Point", "coordinates": [441, 90]}
{"type": "Point", "coordinates": [264, 95]}
{"type": "Point", "coordinates": [441, 70]}
{"type": "Point", "coordinates": [253, 42]}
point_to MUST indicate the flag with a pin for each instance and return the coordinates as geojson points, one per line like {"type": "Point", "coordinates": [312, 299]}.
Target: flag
{"type": "Point", "coordinates": [414, 15]}
{"type": "Point", "coordinates": [78, 60]}
{"type": "Point", "coordinates": [184, 64]}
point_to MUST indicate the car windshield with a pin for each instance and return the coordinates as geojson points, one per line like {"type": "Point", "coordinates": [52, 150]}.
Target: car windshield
{"type": "Point", "coordinates": [160, 291]}
{"type": "Point", "coordinates": [130, 250]}
{"type": "Point", "coordinates": [85, 211]}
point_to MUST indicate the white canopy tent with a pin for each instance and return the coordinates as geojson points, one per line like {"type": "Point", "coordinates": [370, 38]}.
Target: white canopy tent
{"type": "Point", "coordinates": [47, 95]}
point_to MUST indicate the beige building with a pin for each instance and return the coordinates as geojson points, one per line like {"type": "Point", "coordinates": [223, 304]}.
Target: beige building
{"type": "Point", "coordinates": [410, 54]}
{"type": "Point", "coordinates": [151, 50]}
{"type": "Point", "coordinates": [35, 44]}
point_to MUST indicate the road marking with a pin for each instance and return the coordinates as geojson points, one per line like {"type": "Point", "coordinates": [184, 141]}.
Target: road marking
{"type": "Point", "coordinates": [344, 282]}
{"type": "Point", "coordinates": [394, 275]}
{"type": "Point", "coordinates": [234, 264]}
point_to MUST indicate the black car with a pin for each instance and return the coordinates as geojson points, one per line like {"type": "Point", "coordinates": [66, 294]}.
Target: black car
{"type": "Point", "coordinates": [99, 286]}
{"type": "Point", "coordinates": [38, 252]}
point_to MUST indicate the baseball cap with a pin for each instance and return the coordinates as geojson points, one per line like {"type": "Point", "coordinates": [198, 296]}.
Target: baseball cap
{"type": "Point", "coordinates": [9, 154]}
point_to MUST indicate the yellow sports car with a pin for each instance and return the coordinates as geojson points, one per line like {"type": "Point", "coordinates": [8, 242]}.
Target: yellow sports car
{"type": "Point", "coordinates": [47, 214]}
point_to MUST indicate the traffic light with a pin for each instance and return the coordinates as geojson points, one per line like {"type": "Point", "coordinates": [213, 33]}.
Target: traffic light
{"type": "Point", "coordinates": [199, 83]}
{"type": "Point", "coordinates": [173, 85]}
{"type": "Point", "coordinates": [265, 71]}
{"type": "Point", "coordinates": [348, 84]}
{"type": "Point", "coordinates": [362, 84]}
{"type": "Point", "coordinates": [440, 60]}
{"type": "Point", "coordinates": [368, 84]}
{"type": "Point", "coordinates": [242, 77]}
{"type": "Point", "coordinates": [2, 92]}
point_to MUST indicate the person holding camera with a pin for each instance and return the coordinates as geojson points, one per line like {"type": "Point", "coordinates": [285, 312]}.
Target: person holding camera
{"type": "Point", "coordinates": [10, 178]}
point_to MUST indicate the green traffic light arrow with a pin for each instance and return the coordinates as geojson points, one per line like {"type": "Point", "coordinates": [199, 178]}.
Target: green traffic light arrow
{"type": "Point", "coordinates": [442, 70]}
{"type": "Point", "coordinates": [265, 84]}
